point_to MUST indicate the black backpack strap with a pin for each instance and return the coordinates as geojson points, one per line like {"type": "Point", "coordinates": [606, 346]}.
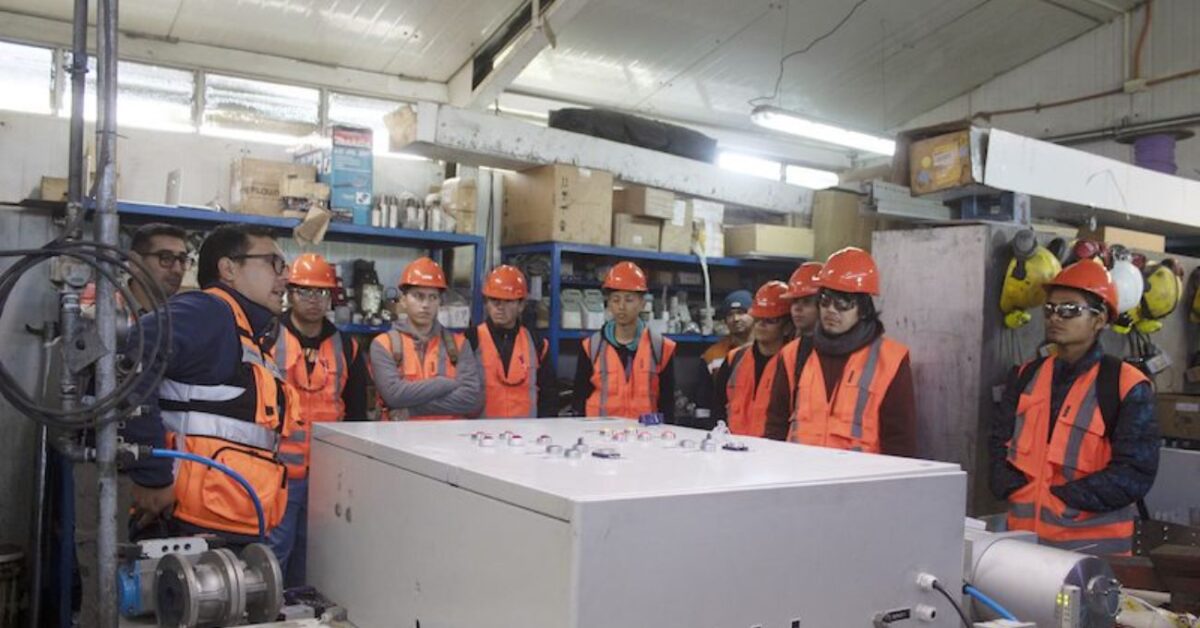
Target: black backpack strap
{"type": "Point", "coordinates": [1108, 391]}
{"type": "Point", "coordinates": [1026, 375]}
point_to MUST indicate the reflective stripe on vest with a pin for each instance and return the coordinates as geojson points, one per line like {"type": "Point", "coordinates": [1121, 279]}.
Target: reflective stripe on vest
{"type": "Point", "coordinates": [1078, 446]}
{"type": "Point", "coordinates": [319, 390]}
{"type": "Point", "coordinates": [216, 426]}
{"type": "Point", "coordinates": [849, 419]}
{"type": "Point", "coordinates": [509, 393]}
{"type": "Point", "coordinates": [616, 394]}
{"type": "Point", "coordinates": [339, 357]}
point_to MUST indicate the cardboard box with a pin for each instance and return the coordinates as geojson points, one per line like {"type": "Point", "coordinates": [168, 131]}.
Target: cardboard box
{"type": "Point", "coordinates": [677, 231]}
{"type": "Point", "coordinates": [402, 127]}
{"type": "Point", "coordinates": [557, 203]}
{"type": "Point", "coordinates": [53, 189]}
{"type": "Point", "coordinates": [1149, 242]}
{"type": "Point", "coordinates": [636, 232]}
{"type": "Point", "coordinates": [708, 219]}
{"type": "Point", "coordinates": [299, 188]}
{"type": "Point", "coordinates": [254, 184]}
{"type": "Point", "coordinates": [838, 222]}
{"type": "Point", "coordinates": [459, 199]}
{"type": "Point", "coordinates": [1178, 416]}
{"type": "Point", "coordinates": [640, 200]}
{"type": "Point", "coordinates": [943, 162]}
{"type": "Point", "coordinates": [348, 168]}
{"type": "Point", "coordinates": [768, 240]}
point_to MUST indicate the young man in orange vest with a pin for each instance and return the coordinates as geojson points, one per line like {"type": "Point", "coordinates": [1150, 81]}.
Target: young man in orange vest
{"type": "Point", "coordinates": [743, 383]}
{"type": "Point", "coordinates": [221, 397]}
{"type": "Point", "coordinates": [518, 380]}
{"type": "Point", "coordinates": [802, 291]}
{"type": "Point", "coordinates": [625, 369]}
{"type": "Point", "coordinates": [329, 375]}
{"type": "Point", "coordinates": [855, 390]}
{"type": "Point", "coordinates": [735, 310]}
{"type": "Point", "coordinates": [1075, 445]}
{"type": "Point", "coordinates": [422, 370]}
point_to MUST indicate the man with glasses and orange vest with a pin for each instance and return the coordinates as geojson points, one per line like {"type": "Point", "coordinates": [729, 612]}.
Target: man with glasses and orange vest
{"type": "Point", "coordinates": [329, 375]}
{"type": "Point", "coordinates": [221, 397]}
{"type": "Point", "coordinates": [422, 370]}
{"type": "Point", "coordinates": [855, 390]}
{"type": "Point", "coordinates": [802, 292]}
{"type": "Point", "coordinates": [625, 369]}
{"type": "Point", "coordinates": [1074, 445]}
{"type": "Point", "coordinates": [743, 383]}
{"type": "Point", "coordinates": [518, 380]}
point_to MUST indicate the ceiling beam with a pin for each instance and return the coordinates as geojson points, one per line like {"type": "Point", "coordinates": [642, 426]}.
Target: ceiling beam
{"type": "Point", "coordinates": [463, 91]}
{"type": "Point", "coordinates": [173, 53]}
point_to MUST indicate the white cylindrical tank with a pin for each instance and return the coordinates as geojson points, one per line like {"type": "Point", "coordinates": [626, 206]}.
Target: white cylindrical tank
{"type": "Point", "coordinates": [1040, 584]}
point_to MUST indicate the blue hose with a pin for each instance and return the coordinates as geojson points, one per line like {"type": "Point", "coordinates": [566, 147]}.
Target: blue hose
{"type": "Point", "coordinates": [183, 455]}
{"type": "Point", "coordinates": [988, 602]}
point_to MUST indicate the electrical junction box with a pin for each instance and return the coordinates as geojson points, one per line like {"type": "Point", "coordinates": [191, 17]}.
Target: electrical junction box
{"type": "Point", "coordinates": [506, 523]}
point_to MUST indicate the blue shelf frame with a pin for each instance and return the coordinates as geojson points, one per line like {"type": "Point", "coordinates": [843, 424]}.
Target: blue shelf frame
{"type": "Point", "coordinates": [556, 250]}
{"type": "Point", "coordinates": [435, 242]}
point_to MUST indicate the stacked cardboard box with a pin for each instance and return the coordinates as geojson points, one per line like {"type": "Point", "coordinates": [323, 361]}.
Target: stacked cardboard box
{"type": "Point", "coordinates": [348, 168]}
{"type": "Point", "coordinates": [459, 199]}
{"type": "Point", "coordinates": [708, 218]}
{"type": "Point", "coordinates": [255, 184]}
{"type": "Point", "coordinates": [768, 240]}
{"type": "Point", "coordinates": [557, 203]}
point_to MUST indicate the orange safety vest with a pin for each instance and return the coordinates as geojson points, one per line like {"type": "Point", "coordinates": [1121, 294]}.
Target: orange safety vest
{"type": "Point", "coordinates": [513, 393]}
{"type": "Point", "coordinates": [787, 360]}
{"type": "Point", "coordinates": [851, 419]}
{"type": "Point", "coordinates": [319, 392]}
{"type": "Point", "coordinates": [748, 399]}
{"type": "Point", "coordinates": [1078, 447]}
{"type": "Point", "coordinates": [238, 423]}
{"type": "Point", "coordinates": [437, 362]}
{"type": "Point", "coordinates": [614, 394]}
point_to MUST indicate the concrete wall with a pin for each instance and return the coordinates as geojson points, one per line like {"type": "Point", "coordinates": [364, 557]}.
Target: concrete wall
{"type": "Point", "coordinates": [1093, 63]}
{"type": "Point", "coordinates": [941, 297]}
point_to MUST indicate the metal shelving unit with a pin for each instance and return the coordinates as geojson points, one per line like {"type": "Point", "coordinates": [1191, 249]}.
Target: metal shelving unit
{"type": "Point", "coordinates": [653, 259]}
{"type": "Point", "coordinates": [435, 242]}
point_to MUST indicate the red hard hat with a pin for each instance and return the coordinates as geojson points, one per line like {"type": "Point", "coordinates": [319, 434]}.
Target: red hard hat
{"type": "Point", "coordinates": [1089, 275]}
{"type": "Point", "coordinates": [626, 277]}
{"type": "Point", "coordinates": [425, 273]}
{"type": "Point", "coordinates": [312, 271]}
{"type": "Point", "coordinates": [850, 270]}
{"type": "Point", "coordinates": [505, 282]}
{"type": "Point", "coordinates": [771, 301]}
{"type": "Point", "coordinates": [804, 281]}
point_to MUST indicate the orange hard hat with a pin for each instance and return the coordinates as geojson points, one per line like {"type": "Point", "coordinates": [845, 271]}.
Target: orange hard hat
{"type": "Point", "coordinates": [626, 277]}
{"type": "Point", "coordinates": [312, 271]}
{"type": "Point", "coordinates": [505, 282]}
{"type": "Point", "coordinates": [804, 281]}
{"type": "Point", "coordinates": [850, 270]}
{"type": "Point", "coordinates": [1089, 276]}
{"type": "Point", "coordinates": [423, 272]}
{"type": "Point", "coordinates": [771, 301]}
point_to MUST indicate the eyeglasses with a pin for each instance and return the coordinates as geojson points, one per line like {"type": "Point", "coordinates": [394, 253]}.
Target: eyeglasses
{"type": "Point", "coordinates": [167, 259]}
{"type": "Point", "coordinates": [311, 294]}
{"type": "Point", "coordinates": [278, 263]}
{"type": "Point", "coordinates": [838, 302]}
{"type": "Point", "coordinates": [1067, 311]}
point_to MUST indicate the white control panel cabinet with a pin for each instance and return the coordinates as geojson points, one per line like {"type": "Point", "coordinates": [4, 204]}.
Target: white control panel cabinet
{"type": "Point", "coordinates": [435, 525]}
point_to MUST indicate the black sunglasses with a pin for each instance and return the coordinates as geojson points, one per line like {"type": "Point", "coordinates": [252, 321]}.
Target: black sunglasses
{"type": "Point", "coordinates": [1067, 311]}
{"type": "Point", "coordinates": [838, 302]}
{"type": "Point", "coordinates": [278, 263]}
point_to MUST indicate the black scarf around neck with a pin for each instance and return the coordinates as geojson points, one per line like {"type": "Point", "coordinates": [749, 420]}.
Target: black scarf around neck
{"type": "Point", "coordinates": [859, 336]}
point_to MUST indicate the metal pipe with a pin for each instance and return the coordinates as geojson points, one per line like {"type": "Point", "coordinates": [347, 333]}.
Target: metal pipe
{"type": "Point", "coordinates": [106, 320]}
{"type": "Point", "coordinates": [1108, 133]}
{"type": "Point", "coordinates": [40, 453]}
{"type": "Point", "coordinates": [76, 171]}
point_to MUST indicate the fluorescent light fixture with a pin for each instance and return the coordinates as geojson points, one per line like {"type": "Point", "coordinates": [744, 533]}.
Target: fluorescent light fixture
{"type": "Point", "coordinates": [787, 122]}
{"type": "Point", "coordinates": [746, 164]}
{"type": "Point", "coordinates": [810, 177]}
